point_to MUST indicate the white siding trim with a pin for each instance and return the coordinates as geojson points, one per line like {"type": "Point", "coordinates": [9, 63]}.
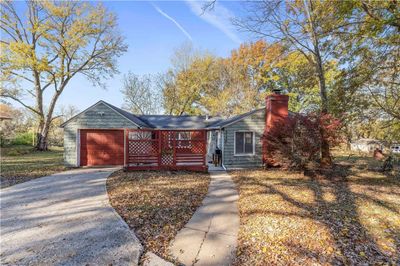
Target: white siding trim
{"type": "Point", "coordinates": [222, 148]}
{"type": "Point", "coordinates": [78, 147]}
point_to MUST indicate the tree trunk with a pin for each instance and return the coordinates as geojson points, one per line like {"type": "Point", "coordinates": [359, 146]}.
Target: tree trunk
{"type": "Point", "coordinates": [42, 136]}
{"type": "Point", "coordinates": [326, 159]}
{"type": "Point", "coordinates": [44, 126]}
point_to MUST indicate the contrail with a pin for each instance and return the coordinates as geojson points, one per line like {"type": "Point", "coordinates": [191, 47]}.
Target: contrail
{"type": "Point", "coordinates": [220, 17]}
{"type": "Point", "coordinates": [173, 20]}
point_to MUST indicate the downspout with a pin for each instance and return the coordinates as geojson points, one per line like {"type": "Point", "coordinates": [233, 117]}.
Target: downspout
{"type": "Point", "coordinates": [222, 148]}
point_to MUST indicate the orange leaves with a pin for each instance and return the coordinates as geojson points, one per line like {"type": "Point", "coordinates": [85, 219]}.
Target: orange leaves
{"type": "Point", "coordinates": [288, 218]}
{"type": "Point", "coordinates": [156, 204]}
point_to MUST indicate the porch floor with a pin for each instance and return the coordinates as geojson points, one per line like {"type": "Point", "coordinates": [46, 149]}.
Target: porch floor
{"type": "Point", "coordinates": [212, 167]}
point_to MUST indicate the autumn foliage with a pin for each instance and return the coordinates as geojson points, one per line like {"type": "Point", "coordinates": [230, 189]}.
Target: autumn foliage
{"type": "Point", "coordinates": [297, 141]}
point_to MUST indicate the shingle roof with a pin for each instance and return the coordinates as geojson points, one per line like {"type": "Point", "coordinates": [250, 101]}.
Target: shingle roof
{"type": "Point", "coordinates": [234, 119]}
{"type": "Point", "coordinates": [178, 122]}
{"type": "Point", "coordinates": [131, 117]}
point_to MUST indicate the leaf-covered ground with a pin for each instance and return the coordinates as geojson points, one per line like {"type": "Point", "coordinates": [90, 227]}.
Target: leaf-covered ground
{"type": "Point", "coordinates": [348, 216]}
{"type": "Point", "coordinates": [157, 204]}
{"type": "Point", "coordinates": [21, 164]}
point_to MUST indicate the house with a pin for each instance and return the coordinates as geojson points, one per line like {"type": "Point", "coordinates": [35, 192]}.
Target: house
{"type": "Point", "coordinates": [106, 135]}
{"type": "Point", "coordinates": [366, 145]}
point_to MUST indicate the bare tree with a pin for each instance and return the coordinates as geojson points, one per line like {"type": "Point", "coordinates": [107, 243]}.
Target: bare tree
{"type": "Point", "coordinates": [48, 47]}
{"type": "Point", "coordinates": [141, 95]}
{"type": "Point", "coordinates": [67, 112]}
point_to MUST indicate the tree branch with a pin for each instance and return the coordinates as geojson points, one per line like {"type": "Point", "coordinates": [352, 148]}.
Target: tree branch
{"type": "Point", "coordinates": [20, 102]}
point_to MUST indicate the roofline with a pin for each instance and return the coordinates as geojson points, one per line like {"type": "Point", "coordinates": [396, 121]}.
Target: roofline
{"type": "Point", "coordinates": [241, 118]}
{"type": "Point", "coordinates": [138, 118]}
{"type": "Point", "coordinates": [93, 105]}
{"type": "Point", "coordinates": [182, 129]}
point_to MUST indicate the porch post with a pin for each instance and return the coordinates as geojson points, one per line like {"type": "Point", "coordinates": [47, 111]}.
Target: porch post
{"type": "Point", "coordinates": [158, 134]}
{"type": "Point", "coordinates": [205, 150]}
{"type": "Point", "coordinates": [126, 148]}
{"type": "Point", "coordinates": [174, 149]}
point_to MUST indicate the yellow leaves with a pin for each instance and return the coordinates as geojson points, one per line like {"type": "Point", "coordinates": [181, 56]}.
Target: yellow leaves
{"type": "Point", "coordinates": [22, 55]}
{"type": "Point", "coordinates": [61, 9]}
{"type": "Point", "coordinates": [61, 31]}
{"type": "Point", "coordinates": [264, 249]}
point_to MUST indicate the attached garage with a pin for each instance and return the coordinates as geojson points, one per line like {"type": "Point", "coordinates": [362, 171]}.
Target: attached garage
{"type": "Point", "coordinates": [95, 137]}
{"type": "Point", "coordinates": [101, 147]}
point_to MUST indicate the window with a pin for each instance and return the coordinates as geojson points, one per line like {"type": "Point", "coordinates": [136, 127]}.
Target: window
{"type": "Point", "coordinates": [184, 140]}
{"type": "Point", "coordinates": [138, 135]}
{"type": "Point", "coordinates": [244, 143]}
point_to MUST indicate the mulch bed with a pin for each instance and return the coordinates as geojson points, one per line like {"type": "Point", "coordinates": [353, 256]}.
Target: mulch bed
{"type": "Point", "coordinates": [349, 216]}
{"type": "Point", "coordinates": [157, 204]}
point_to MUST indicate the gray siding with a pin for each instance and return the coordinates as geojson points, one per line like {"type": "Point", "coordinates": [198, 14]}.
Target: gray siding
{"type": "Point", "coordinates": [88, 119]}
{"type": "Point", "coordinates": [255, 123]}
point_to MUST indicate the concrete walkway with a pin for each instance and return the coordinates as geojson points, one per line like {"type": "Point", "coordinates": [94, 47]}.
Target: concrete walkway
{"type": "Point", "coordinates": [210, 236]}
{"type": "Point", "coordinates": [64, 219]}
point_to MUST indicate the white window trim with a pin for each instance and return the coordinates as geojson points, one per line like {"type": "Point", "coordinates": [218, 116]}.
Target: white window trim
{"type": "Point", "coordinates": [234, 143]}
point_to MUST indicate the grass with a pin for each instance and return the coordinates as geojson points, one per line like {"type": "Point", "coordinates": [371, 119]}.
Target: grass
{"type": "Point", "coordinates": [21, 163]}
{"type": "Point", "coordinates": [347, 216]}
{"type": "Point", "coordinates": [157, 204]}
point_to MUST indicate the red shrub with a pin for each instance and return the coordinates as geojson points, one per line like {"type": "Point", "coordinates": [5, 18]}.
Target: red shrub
{"type": "Point", "coordinates": [297, 141]}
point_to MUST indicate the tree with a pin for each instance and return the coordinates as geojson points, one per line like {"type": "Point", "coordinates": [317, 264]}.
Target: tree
{"type": "Point", "coordinates": [180, 85]}
{"type": "Point", "coordinates": [206, 84]}
{"type": "Point", "coordinates": [298, 25]}
{"type": "Point", "coordinates": [9, 127]}
{"type": "Point", "coordinates": [369, 50]}
{"type": "Point", "coordinates": [141, 95]}
{"type": "Point", "coordinates": [56, 133]}
{"type": "Point", "coordinates": [265, 67]}
{"type": "Point", "coordinates": [56, 42]}
{"type": "Point", "coordinates": [66, 112]}
{"type": "Point", "coordinates": [367, 94]}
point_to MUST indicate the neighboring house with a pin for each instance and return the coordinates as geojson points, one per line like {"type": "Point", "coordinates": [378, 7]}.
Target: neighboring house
{"type": "Point", "coordinates": [4, 116]}
{"type": "Point", "coordinates": [106, 135]}
{"type": "Point", "coordinates": [395, 148]}
{"type": "Point", "coordinates": [366, 145]}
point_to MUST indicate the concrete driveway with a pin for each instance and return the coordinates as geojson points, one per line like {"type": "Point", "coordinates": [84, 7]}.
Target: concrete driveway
{"type": "Point", "coordinates": [64, 219]}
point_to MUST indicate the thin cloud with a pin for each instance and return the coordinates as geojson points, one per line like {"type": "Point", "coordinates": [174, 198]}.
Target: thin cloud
{"type": "Point", "coordinates": [173, 20]}
{"type": "Point", "coordinates": [220, 17]}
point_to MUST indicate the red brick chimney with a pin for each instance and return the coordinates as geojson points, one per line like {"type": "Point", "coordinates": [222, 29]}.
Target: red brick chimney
{"type": "Point", "coordinates": [275, 115]}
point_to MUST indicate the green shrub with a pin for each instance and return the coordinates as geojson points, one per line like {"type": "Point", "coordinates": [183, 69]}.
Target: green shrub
{"type": "Point", "coordinates": [22, 139]}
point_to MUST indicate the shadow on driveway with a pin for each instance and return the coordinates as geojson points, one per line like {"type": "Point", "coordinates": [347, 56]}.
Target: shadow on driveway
{"type": "Point", "coordinates": [64, 219]}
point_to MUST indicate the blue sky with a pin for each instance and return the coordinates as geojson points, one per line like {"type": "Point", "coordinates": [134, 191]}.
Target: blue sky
{"type": "Point", "coordinates": [152, 31]}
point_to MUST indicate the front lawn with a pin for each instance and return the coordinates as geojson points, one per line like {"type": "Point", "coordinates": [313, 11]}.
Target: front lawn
{"type": "Point", "coordinates": [348, 216]}
{"type": "Point", "coordinates": [157, 204]}
{"type": "Point", "coordinates": [21, 163]}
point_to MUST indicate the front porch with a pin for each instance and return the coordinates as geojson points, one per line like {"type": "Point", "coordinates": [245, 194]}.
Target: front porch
{"type": "Point", "coordinates": [148, 149]}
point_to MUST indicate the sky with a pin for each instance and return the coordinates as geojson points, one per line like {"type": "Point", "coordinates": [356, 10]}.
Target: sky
{"type": "Point", "coordinates": [152, 31]}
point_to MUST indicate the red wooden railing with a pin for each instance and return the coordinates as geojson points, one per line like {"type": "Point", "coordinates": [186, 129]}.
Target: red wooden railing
{"type": "Point", "coordinates": [165, 149]}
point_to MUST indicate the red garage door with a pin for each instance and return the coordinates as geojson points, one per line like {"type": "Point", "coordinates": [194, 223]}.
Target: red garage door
{"type": "Point", "coordinates": [102, 147]}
